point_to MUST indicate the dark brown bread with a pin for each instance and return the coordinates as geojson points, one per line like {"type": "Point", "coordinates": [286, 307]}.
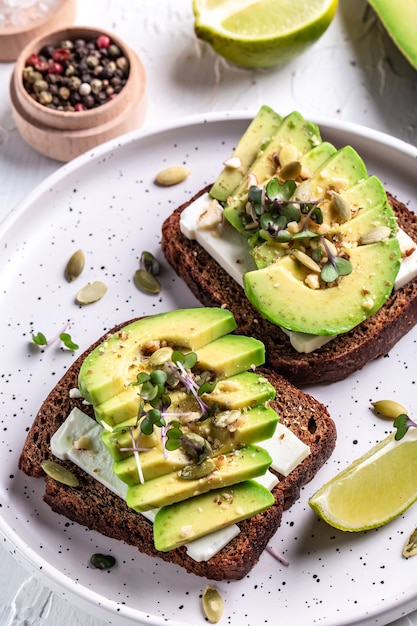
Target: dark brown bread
{"type": "Point", "coordinates": [334, 361]}
{"type": "Point", "coordinates": [94, 506]}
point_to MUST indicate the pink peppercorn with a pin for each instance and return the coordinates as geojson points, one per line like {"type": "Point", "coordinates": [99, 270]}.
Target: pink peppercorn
{"type": "Point", "coordinates": [79, 107]}
{"type": "Point", "coordinates": [61, 54]}
{"type": "Point", "coordinates": [32, 60]}
{"type": "Point", "coordinates": [55, 68]}
{"type": "Point", "coordinates": [103, 41]}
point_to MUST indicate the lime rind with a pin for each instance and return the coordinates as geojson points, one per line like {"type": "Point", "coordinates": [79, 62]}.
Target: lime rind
{"type": "Point", "coordinates": [374, 489]}
{"type": "Point", "coordinates": [250, 37]}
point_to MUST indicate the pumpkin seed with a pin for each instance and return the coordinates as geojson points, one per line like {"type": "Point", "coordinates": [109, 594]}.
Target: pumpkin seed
{"type": "Point", "coordinates": [145, 281]}
{"type": "Point", "coordinates": [376, 235]}
{"type": "Point", "coordinates": [102, 561]}
{"type": "Point", "coordinates": [287, 154]}
{"type": "Point", "coordinates": [410, 548]}
{"type": "Point", "coordinates": [75, 266]}
{"type": "Point", "coordinates": [341, 206]}
{"type": "Point", "coordinates": [212, 604]}
{"type": "Point", "coordinates": [172, 176]}
{"type": "Point", "coordinates": [60, 473]}
{"type": "Point", "coordinates": [306, 260]}
{"type": "Point", "coordinates": [290, 171]}
{"type": "Point", "coordinates": [91, 293]}
{"type": "Point", "coordinates": [160, 356]}
{"type": "Point", "coordinates": [389, 408]}
{"type": "Point", "coordinates": [150, 263]}
{"type": "Point", "coordinates": [197, 470]}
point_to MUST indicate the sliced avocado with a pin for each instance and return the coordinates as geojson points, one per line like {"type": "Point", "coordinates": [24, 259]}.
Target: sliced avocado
{"type": "Point", "coordinates": [246, 389]}
{"type": "Point", "coordinates": [240, 391]}
{"type": "Point", "coordinates": [225, 357]}
{"type": "Point", "coordinates": [399, 19]}
{"type": "Point", "coordinates": [183, 522]}
{"type": "Point", "coordinates": [317, 156]}
{"type": "Point", "coordinates": [369, 207]}
{"type": "Point", "coordinates": [232, 468]}
{"type": "Point", "coordinates": [114, 363]}
{"type": "Point", "coordinates": [294, 130]}
{"type": "Point", "coordinates": [231, 354]}
{"type": "Point", "coordinates": [258, 134]}
{"type": "Point", "coordinates": [280, 294]}
{"type": "Point", "coordinates": [342, 170]}
{"type": "Point", "coordinates": [251, 426]}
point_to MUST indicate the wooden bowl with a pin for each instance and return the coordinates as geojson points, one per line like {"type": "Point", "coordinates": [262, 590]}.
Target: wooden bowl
{"type": "Point", "coordinates": [63, 135]}
{"type": "Point", "coordinates": [14, 38]}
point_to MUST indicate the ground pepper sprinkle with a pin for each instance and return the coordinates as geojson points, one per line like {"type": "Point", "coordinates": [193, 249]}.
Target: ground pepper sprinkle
{"type": "Point", "coordinates": [76, 75]}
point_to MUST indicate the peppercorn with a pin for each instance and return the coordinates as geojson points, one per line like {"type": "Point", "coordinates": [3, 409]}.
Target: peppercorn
{"type": "Point", "coordinates": [76, 75]}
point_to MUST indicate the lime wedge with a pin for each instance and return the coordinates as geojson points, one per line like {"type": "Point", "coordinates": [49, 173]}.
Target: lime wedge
{"type": "Point", "coordinates": [374, 489]}
{"type": "Point", "coordinates": [261, 33]}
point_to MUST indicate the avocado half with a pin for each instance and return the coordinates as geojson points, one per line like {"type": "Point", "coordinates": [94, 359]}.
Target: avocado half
{"type": "Point", "coordinates": [399, 19]}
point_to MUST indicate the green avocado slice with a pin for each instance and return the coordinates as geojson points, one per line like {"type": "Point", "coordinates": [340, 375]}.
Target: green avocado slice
{"type": "Point", "coordinates": [232, 468]}
{"type": "Point", "coordinates": [258, 134]}
{"type": "Point", "coordinates": [183, 522]}
{"type": "Point", "coordinates": [280, 294]}
{"type": "Point", "coordinates": [114, 363]}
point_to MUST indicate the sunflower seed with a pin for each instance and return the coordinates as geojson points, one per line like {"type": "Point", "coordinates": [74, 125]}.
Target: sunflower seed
{"type": "Point", "coordinates": [91, 293]}
{"type": "Point", "coordinates": [75, 266]}
{"type": "Point", "coordinates": [376, 235]}
{"type": "Point", "coordinates": [172, 176]}
{"type": "Point", "coordinates": [305, 260]}
{"type": "Point", "coordinates": [212, 604]}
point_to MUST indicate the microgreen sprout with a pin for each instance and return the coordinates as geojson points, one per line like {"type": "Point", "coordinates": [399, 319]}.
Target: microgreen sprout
{"type": "Point", "coordinates": [40, 339]}
{"type": "Point", "coordinates": [335, 266]}
{"type": "Point", "coordinates": [402, 423]}
{"type": "Point", "coordinates": [270, 209]}
{"type": "Point", "coordinates": [155, 402]}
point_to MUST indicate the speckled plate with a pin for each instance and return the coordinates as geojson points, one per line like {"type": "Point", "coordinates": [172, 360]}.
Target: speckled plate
{"type": "Point", "coordinates": [106, 203]}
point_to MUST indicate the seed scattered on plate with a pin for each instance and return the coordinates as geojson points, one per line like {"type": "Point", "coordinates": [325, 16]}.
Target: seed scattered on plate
{"type": "Point", "coordinates": [410, 548]}
{"type": "Point", "coordinates": [172, 176]}
{"type": "Point", "coordinates": [102, 561]}
{"type": "Point", "coordinates": [212, 604]}
{"type": "Point", "coordinates": [149, 262]}
{"type": "Point", "coordinates": [145, 281]}
{"type": "Point", "coordinates": [389, 408]}
{"type": "Point", "coordinates": [91, 293]}
{"type": "Point", "coordinates": [60, 473]}
{"type": "Point", "coordinates": [75, 266]}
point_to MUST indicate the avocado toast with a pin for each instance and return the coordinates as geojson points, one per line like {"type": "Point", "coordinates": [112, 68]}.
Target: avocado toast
{"type": "Point", "coordinates": [302, 246]}
{"type": "Point", "coordinates": [96, 506]}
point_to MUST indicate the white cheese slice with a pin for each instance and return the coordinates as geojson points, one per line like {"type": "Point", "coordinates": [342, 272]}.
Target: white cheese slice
{"type": "Point", "coordinates": [229, 248]}
{"type": "Point", "coordinates": [286, 450]}
{"type": "Point", "coordinates": [97, 462]}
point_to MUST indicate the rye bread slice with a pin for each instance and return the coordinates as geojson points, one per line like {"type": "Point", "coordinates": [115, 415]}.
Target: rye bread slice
{"type": "Point", "coordinates": [342, 356]}
{"type": "Point", "coordinates": [94, 506]}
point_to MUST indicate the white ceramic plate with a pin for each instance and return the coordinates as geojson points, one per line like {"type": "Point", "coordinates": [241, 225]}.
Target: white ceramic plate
{"type": "Point", "coordinates": [107, 204]}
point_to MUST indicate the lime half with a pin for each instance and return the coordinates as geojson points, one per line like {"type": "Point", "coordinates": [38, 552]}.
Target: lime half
{"type": "Point", "coordinates": [374, 489]}
{"type": "Point", "coordinates": [264, 33]}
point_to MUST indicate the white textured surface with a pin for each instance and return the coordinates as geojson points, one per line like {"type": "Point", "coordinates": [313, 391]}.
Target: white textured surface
{"type": "Point", "coordinates": [352, 74]}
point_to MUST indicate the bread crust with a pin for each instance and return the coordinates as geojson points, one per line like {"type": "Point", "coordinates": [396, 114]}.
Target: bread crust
{"type": "Point", "coordinates": [94, 506]}
{"type": "Point", "coordinates": [336, 360]}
